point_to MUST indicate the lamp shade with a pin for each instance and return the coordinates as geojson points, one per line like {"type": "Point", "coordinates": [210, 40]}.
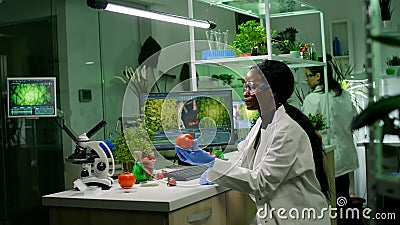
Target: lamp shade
{"type": "Point", "coordinates": [97, 4]}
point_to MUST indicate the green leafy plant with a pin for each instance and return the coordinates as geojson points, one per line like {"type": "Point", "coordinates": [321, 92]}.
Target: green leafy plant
{"type": "Point", "coordinates": [250, 35]}
{"type": "Point", "coordinates": [285, 37]}
{"type": "Point", "coordinates": [318, 121]}
{"type": "Point", "coordinates": [121, 150]}
{"type": "Point", "coordinates": [292, 46]}
{"type": "Point", "coordinates": [387, 39]}
{"type": "Point", "coordinates": [393, 61]}
{"type": "Point", "coordinates": [227, 78]}
{"type": "Point", "coordinates": [341, 72]}
{"type": "Point", "coordinates": [300, 95]}
{"type": "Point", "coordinates": [137, 80]}
{"type": "Point", "coordinates": [376, 111]}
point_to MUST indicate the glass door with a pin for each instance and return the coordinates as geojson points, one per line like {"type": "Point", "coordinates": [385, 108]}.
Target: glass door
{"type": "Point", "coordinates": [31, 159]}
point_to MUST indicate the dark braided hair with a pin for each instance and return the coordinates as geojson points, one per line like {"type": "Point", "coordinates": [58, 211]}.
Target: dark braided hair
{"type": "Point", "coordinates": [281, 80]}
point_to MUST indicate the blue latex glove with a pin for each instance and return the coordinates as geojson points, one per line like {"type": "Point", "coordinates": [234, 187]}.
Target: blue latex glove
{"type": "Point", "coordinates": [196, 157]}
{"type": "Point", "coordinates": [203, 178]}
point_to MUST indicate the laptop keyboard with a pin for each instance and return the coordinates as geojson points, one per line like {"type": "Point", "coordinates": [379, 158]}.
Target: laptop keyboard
{"type": "Point", "coordinates": [187, 173]}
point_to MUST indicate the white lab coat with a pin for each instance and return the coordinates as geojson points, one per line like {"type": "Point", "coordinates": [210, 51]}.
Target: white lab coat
{"type": "Point", "coordinates": [341, 111]}
{"type": "Point", "coordinates": [279, 174]}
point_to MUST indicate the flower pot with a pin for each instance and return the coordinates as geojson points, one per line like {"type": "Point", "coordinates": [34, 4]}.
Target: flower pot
{"type": "Point", "coordinates": [393, 70]}
{"type": "Point", "coordinates": [324, 136]}
{"type": "Point", "coordinates": [386, 25]}
{"type": "Point", "coordinates": [295, 54]}
{"type": "Point", "coordinates": [244, 54]}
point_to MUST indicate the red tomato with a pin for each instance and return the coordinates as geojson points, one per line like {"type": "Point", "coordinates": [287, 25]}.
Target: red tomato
{"type": "Point", "coordinates": [171, 182]}
{"type": "Point", "coordinates": [185, 141]}
{"type": "Point", "coordinates": [160, 176]}
{"type": "Point", "coordinates": [126, 180]}
{"type": "Point", "coordinates": [153, 157]}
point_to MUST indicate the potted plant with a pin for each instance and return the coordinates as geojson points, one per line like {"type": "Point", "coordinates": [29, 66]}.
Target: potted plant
{"type": "Point", "coordinates": [286, 39]}
{"type": "Point", "coordinates": [134, 149]}
{"type": "Point", "coordinates": [341, 72]}
{"type": "Point", "coordinates": [293, 47]}
{"type": "Point", "coordinates": [393, 65]}
{"type": "Point", "coordinates": [319, 123]}
{"type": "Point", "coordinates": [251, 35]}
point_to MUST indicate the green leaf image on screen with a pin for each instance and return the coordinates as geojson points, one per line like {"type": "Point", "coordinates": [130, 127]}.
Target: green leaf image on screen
{"type": "Point", "coordinates": [161, 114]}
{"type": "Point", "coordinates": [30, 94]}
{"type": "Point", "coordinates": [214, 108]}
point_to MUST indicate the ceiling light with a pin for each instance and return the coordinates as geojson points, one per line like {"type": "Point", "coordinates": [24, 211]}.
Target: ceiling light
{"type": "Point", "coordinates": [103, 4]}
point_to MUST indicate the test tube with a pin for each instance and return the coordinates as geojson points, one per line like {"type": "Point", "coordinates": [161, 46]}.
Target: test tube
{"type": "Point", "coordinates": [211, 39]}
{"type": "Point", "coordinates": [225, 35]}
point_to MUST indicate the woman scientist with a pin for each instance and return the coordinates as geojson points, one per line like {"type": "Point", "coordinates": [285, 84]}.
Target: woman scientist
{"type": "Point", "coordinates": [275, 163]}
{"type": "Point", "coordinates": [341, 110]}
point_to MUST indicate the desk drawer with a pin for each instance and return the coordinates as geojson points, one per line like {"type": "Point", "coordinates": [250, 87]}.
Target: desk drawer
{"type": "Point", "coordinates": [210, 211]}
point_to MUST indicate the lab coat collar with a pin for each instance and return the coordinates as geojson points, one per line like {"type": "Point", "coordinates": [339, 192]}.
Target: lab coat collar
{"type": "Point", "coordinates": [253, 133]}
{"type": "Point", "coordinates": [318, 88]}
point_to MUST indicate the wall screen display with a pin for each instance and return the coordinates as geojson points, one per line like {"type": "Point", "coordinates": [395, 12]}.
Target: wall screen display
{"type": "Point", "coordinates": [31, 97]}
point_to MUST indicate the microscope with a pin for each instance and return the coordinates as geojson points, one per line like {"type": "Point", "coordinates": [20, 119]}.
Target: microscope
{"type": "Point", "coordinates": [97, 157]}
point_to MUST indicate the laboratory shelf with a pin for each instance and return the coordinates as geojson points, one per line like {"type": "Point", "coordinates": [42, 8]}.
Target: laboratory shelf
{"type": "Point", "coordinates": [256, 8]}
{"type": "Point", "coordinates": [248, 61]}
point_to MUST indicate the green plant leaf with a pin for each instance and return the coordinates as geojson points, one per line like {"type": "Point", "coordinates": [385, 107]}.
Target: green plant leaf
{"type": "Point", "coordinates": [387, 39]}
{"type": "Point", "coordinates": [318, 121]}
{"type": "Point", "coordinates": [251, 33]}
{"type": "Point", "coordinates": [300, 95]}
{"type": "Point", "coordinates": [376, 111]}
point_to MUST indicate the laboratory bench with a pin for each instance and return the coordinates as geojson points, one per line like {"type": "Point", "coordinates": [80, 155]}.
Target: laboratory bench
{"type": "Point", "coordinates": [186, 203]}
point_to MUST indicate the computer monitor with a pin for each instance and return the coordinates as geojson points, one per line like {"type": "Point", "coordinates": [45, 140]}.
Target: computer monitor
{"type": "Point", "coordinates": [206, 115]}
{"type": "Point", "coordinates": [31, 97]}
{"type": "Point", "coordinates": [243, 118]}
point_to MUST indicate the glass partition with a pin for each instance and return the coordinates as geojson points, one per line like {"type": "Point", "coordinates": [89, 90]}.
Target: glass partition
{"type": "Point", "coordinates": [31, 156]}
